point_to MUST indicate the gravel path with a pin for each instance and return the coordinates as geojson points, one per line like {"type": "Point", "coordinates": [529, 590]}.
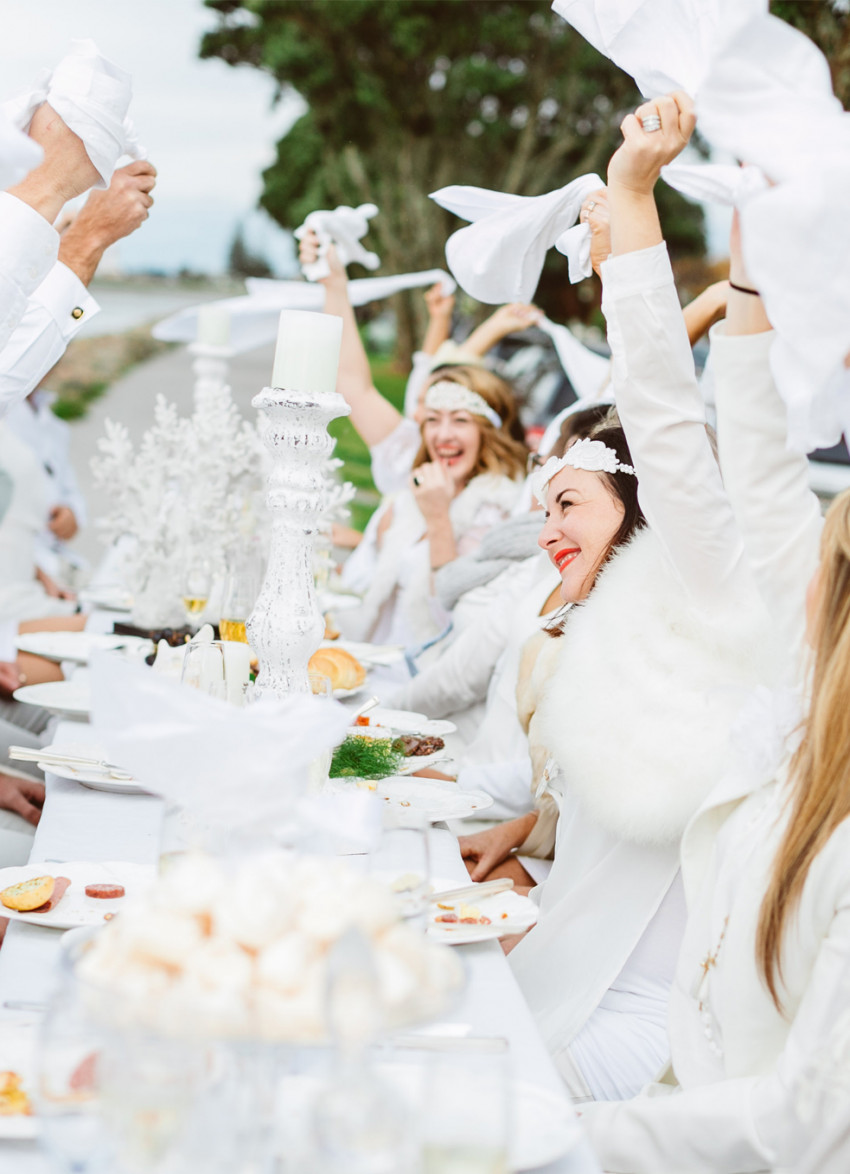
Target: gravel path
{"type": "Point", "coordinates": [130, 401]}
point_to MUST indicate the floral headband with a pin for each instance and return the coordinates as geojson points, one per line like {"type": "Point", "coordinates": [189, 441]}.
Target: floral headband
{"type": "Point", "coordinates": [449, 396]}
{"type": "Point", "coordinates": [592, 455]}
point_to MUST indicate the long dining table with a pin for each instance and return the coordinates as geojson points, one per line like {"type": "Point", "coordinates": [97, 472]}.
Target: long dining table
{"type": "Point", "coordinates": [88, 825]}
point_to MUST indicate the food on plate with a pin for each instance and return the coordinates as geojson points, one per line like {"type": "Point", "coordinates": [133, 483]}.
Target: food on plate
{"type": "Point", "coordinates": [461, 915]}
{"type": "Point", "coordinates": [29, 894]}
{"type": "Point", "coordinates": [14, 1101]}
{"type": "Point", "coordinates": [361, 757]}
{"type": "Point", "coordinates": [105, 892]}
{"type": "Point", "coordinates": [362, 720]}
{"type": "Point", "coordinates": [418, 745]}
{"type": "Point", "coordinates": [60, 886]}
{"type": "Point", "coordinates": [344, 670]}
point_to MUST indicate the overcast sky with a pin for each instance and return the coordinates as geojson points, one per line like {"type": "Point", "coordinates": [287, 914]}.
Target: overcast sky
{"type": "Point", "coordinates": [210, 129]}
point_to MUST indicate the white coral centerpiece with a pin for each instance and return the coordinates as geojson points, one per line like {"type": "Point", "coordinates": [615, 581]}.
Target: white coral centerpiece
{"type": "Point", "coordinates": [192, 481]}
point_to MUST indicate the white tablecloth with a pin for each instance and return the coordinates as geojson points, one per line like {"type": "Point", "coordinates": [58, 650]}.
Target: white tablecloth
{"type": "Point", "coordinates": [81, 824]}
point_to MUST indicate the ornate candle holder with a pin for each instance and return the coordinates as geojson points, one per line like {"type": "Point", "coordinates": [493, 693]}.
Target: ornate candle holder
{"type": "Point", "coordinates": [210, 367]}
{"type": "Point", "coordinates": [286, 625]}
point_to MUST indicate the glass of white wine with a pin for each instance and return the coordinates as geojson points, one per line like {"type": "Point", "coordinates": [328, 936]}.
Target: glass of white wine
{"type": "Point", "coordinates": [466, 1126]}
{"type": "Point", "coordinates": [204, 668]}
{"type": "Point", "coordinates": [239, 598]}
{"type": "Point", "coordinates": [197, 584]}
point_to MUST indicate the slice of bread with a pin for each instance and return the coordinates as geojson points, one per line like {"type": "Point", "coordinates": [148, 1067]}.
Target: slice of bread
{"type": "Point", "coordinates": [29, 894]}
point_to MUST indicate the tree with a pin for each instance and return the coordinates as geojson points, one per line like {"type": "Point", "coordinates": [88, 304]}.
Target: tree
{"type": "Point", "coordinates": [828, 25]}
{"type": "Point", "coordinates": [406, 96]}
{"type": "Point", "coordinates": [242, 262]}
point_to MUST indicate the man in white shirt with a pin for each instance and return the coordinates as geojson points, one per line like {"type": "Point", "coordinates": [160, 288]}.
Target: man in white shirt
{"type": "Point", "coordinates": [61, 303]}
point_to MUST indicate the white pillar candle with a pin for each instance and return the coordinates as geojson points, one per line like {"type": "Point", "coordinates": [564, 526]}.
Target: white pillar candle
{"type": "Point", "coordinates": [307, 354]}
{"type": "Point", "coordinates": [213, 326]}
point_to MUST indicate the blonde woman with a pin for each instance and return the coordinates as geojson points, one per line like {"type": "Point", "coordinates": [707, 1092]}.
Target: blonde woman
{"type": "Point", "coordinates": [468, 464]}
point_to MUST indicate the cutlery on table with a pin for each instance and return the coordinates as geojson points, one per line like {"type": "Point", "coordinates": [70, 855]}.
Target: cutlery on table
{"type": "Point", "coordinates": [27, 754]}
{"type": "Point", "coordinates": [472, 891]}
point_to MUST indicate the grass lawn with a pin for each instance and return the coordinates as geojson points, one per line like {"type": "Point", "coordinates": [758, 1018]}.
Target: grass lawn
{"type": "Point", "coordinates": [351, 449]}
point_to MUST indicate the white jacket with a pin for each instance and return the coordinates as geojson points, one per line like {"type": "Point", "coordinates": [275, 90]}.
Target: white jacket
{"type": "Point", "coordinates": [745, 1070]}
{"type": "Point", "coordinates": [640, 704]}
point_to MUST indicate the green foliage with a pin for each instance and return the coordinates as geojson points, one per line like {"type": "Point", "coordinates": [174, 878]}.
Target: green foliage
{"type": "Point", "coordinates": [361, 757]}
{"type": "Point", "coordinates": [74, 398]}
{"type": "Point", "coordinates": [406, 96]}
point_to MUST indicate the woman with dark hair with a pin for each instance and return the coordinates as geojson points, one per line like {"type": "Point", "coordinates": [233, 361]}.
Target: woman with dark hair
{"type": "Point", "coordinates": [628, 705]}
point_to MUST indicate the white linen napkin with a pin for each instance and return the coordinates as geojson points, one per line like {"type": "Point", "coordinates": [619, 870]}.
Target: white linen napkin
{"type": "Point", "coordinates": [663, 44]}
{"type": "Point", "coordinates": [92, 96]}
{"type": "Point", "coordinates": [715, 183]}
{"type": "Point", "coordinates": [586, 371]}
{"type": "Point", "coordinates": [499, 256]}
{"type": "Point", "coordinates": [344, 227]}
{"type": "Point", "coordinates": [242, 769]}
{"type": "Point", "coordinates": [254, 319]}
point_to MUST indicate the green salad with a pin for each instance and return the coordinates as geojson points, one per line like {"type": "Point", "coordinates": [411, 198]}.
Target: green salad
{"type": "Point", "coordinates": [359, 757]}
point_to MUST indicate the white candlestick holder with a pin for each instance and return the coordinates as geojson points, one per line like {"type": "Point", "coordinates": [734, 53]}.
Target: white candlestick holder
{"type": "Point", "coordinates": [210, 367]}
{"type": "Point", "coordinates": [286, 626]}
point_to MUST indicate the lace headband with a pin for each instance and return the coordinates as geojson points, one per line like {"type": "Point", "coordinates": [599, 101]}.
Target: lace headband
{"type": "Point", "coordinates": [454, 397]}
{"type": "Point", "coordinates": [592, 455]}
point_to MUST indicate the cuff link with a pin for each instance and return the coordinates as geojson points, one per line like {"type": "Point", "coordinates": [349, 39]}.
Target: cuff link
{"type": "Point", "coordinates": [77, 312]}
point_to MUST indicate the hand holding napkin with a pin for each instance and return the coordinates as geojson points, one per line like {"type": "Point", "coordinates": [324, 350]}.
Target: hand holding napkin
{"type": "Point", "coordinates": [92, 97]}
{"type": "Point", "coordinates": [344, 227]}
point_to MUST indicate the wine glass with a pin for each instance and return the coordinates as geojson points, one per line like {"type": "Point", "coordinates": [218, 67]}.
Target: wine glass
{"type": "Point", "coordinates": [68, 1084]}
{"type": "Point", "coordinates": [466, 1123]}
{"type": "Point", "coordinates": [197, 584]}
{"type": "Point", "coordinates": [405, 839]}
{"type": "Point", "coordinates": [204, 668]}
{"type": "Point", "coordinates": [239, 599]}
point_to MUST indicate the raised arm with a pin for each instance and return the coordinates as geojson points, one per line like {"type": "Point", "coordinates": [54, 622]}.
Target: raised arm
{"type": "Point", "coordinates": [373, 416]}
{"type": "Point", "coordinates": [657, 396]}
{"type": "Point", "coordinates": [779, 516]}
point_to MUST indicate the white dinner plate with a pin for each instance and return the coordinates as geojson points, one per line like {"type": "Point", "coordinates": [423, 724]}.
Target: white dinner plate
{"type": "Point", "coordinates": [76, 647]}
{"type": "Point", "coordinates": [435, 799]}
{"type": "Point", "coordinates": [509, 913]}
{"type": "Point", "coordinates": [411, 763]}
{"type": "Point", "coordinates": [69, 698]}
{"type": "Point", "coordinates": [405, 721]}
{"type": "Point", "coordinates": [75, 908]}
{"type": "Point", "coordinates": [545, 1126]}
{"type": "Point", "coordinates": [18, 1040]}
{"type": "Point", "coordinates": [107, 598]}
{"type": "Point", "coordinates": [342, 694]}
{"type": "Point", "coordinates": [91, 777]}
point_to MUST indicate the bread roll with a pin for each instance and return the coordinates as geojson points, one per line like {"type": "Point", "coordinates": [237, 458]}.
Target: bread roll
{"type": "Point", "coordinates": [28, 894]}
{"type": "Point", "coordinates": [344, 671]}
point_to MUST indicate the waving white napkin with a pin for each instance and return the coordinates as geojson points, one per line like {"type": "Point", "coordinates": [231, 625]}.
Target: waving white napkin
{"type": "Point", "coordinates": [244, 769]}
{"type": "Point", "coordinates": [254, 319]}
{"type": "Point", "coordinates": [715, 183]}
{"type": "Point", "coordinates": [344, 227]}
{"type": "Point", "coordinates": [586, 371]}
{"type": "Point", "coordinates": [18, 154]}
{"type": "Point", "coordinates": [663, 44]}
{"type": "Point", "coordinates": [499, 257]}
{"type": "Point", "coordinates": [92, 96]}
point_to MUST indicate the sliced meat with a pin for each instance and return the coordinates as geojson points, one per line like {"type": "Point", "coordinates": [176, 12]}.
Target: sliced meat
{"type": "Point", "coordinates": [60, 887]}
{"type": "Point", "coordinates": [105, 892]}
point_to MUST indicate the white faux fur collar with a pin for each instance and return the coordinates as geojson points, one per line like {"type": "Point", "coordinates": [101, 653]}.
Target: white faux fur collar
{"type": "Point", "coordinates": [641, 698]}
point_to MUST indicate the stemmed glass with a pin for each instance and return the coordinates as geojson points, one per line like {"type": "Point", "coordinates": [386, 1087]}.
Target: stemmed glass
{"type": "Point", "coordinates": [239, 599]}
{"type": "Point", "coordinates": [68, 1084]}
{"type": "Point", "coordinates": [197, 584]}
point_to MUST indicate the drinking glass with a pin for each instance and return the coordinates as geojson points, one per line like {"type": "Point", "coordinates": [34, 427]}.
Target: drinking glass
{"type": "Point", "coordinates": [405, 852]}
{"type": "Point", "coordinates": [466, 1123]}
{"type": "Point", "coordinates": [67, 1087]}
{"type": "Point", "coordinates": [204, 668]}
{"type": "Point", "coordinates": [197, 584]}
{"type": "Point", "coordinates": [240, 595]}
{"type": "Point", "coordinates": [320, 686]}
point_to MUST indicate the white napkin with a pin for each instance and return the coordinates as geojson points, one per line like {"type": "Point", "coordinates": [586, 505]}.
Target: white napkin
{"type": "Point", "coordinates": [586, 371]}
{"type": "Point", "coordinates": [92, 96]}
{"type": "Point", "coordinates": [663, 44]}
{"type": "Point", "coordinates": [18, 154]}
{"type": "Point", "coordinates": [254, 320]}
{"type": "Point", "coordinates": [498, 258]}
{"type": "Point", "coordinates": [715, 183]}
{"type": "Point", "coordinates": [344, 227]}
{"type": "Point", "coordinates": [244, 769]}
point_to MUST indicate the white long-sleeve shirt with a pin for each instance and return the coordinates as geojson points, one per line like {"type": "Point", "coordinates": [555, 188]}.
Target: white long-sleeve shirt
{"type": "Point", "coordinates": [29, 247]}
